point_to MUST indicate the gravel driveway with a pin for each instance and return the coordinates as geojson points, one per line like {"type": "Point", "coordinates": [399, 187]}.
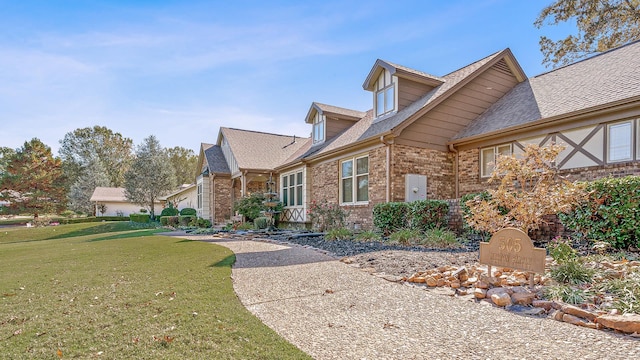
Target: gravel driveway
{"type": "Point", "coordinates": [331, 310]}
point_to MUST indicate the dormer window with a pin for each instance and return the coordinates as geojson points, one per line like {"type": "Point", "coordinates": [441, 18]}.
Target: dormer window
{"type": "Point", "coordinates": [318, 128]}
{"type": "Point", "coordinates": [385, 94]}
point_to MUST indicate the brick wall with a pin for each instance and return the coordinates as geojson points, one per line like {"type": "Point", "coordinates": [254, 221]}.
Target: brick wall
{"type": "Point", "coordinates": [469, 172]}
{"type": "Point", "coordinates": [436, 165]}
{"type": "Point", "coordinates": [222, 206]}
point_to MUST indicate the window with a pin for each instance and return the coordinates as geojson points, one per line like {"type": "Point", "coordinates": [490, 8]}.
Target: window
{"type": "Point", "coordinates": [318, 128]}
{"type": "Point", "coordinates": [385, 94]}
{"type": "Point", "coordinates": [199, 197]}
{"type": "Point", "coordinates": [292, 189]}
{"type": "Point", "coordinates": [354, 183]}
{"type": "Point", "coordinates": [488, 157]}
{"type": "Point", "coordinates": [620, 141]}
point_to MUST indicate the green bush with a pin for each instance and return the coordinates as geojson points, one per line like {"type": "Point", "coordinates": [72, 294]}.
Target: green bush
{"type": "Point", "coordinates": [204, 223]}
{"type": "Point", "coordinates": [261, 222]}
{"type": "Point", "coordinates": [440, 238]}
{"type": "Point", "coordinates": [169, 220]}
{"type": "Point", "coordinates": [140, 218]}
{"type": "Point", "coordinates": [391, 216]}
{"type": "Point", "coordinates": [338, 234]}
{"type": "Point", "coordinates": [428, 214]}
{"type": "Point", "coordinates": [368, 235]}
{"type": "Point", "coordinates": [610, 214]}
{"type": "Point", "coordinates": [419, 215]}
{"type": "Point", "coordinates": [406, 237]}
{"type": "Point", "coordinates": [169, 211]}
{"type": "Point", "coordinates": [188, 211]}
{"type": "Point", "coordinates": [67, 213]}
{"type": "Point", "coordinates": [187, 220]}
{"type": "Point", "coordinates": [252, 206]}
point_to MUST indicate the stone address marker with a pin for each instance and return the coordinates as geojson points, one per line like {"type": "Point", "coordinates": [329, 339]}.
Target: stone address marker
{"type": "Point", "coordinates": [512, 248]}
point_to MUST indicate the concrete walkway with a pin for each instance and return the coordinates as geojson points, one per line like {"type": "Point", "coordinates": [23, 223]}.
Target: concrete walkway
{"type": "Point", "coordinates": [331, 310]}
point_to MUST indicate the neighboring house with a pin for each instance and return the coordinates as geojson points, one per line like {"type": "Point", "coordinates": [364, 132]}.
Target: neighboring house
{"type": "Point", "coordinates": [184, 197]}
{"type": "Point", "coordinates": [437, 137]}
{"type": "Point", "coordinates": [115, 203]}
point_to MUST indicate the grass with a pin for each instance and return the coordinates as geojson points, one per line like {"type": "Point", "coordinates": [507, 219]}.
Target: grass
{"type": "Point", "coordinates": [132, 295]}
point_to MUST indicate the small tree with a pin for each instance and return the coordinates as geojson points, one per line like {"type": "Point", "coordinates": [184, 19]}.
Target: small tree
{"type": "Point", "coordinates": [529, 189]}
{"type": "Point", "coordinates": [150, 176]}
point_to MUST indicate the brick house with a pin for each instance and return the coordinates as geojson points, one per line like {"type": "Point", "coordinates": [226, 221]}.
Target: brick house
{"type": "Point", "coordinates": [436, 137]}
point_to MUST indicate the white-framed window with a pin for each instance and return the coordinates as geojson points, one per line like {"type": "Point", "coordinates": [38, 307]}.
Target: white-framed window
{"type": "Point", "coordinates": [354, 180]}
{"type": "Point", "coordinates": [489, 155]}
{"type": "Point", "coordinates": [199, 196]}
{"type": "Point", "coordinates": [318, 128]}
{"type": "Point", "coordinates": [620, 141]}
{"type": "Point", "coordinates": [292, 189]}
{"type": "Point", "coordinates": [385, 101]}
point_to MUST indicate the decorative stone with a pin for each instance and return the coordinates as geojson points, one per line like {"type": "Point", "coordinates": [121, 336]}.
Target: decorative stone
{"type": "Point", "coordinates": [501, 299]}
{"type": "Point", "coordinates": [557, 315]}
{"type": "Point", "coordinates": [419, 280]}
{"type": "Point", "coordinates": [523, 298]}
{"type": "Point", "coordinates": [482, 285]}
{"type": "Point", "coordinates": [441, 282]}
{"type": "Point", "coordinates": [629, 323]}
{"type": "Point", "coordinates": [431, 281]}
{"type": "Point", "coordinates": [544, 304]}
{"type": "Point", "coordinates": [574, 320]}
{"type": "Point", "coordinates": [455, 284]}
{"type": "Point", "coordinates": [498, 290]}
{"type": "Point", "coordinates": [576, 311]}
{"type": "Point", "coordinates": [461, 274]}
{"type": "Point", "coordinates": [480, 293]}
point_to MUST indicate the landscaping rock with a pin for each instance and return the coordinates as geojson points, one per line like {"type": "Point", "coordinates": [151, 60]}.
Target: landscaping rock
{"type": "Point", "coordinates": [431, 281]}
{"type": "Point", "coordinates": [557, 315]}
{"type": "Point", "coordinates": [501, 299]}
{"type": "Point", "coordinates": [574, 320]}
{"type": "Point", "coordinates": [480, 293]}
{"type": "Point", "coordinates": [576, 311]}
{"type": "Point", "coordinates": [523, 298]}
{"type": "Point", "coordinates": [544, 304]}
{"type": "Point", "coordinates": [629, 323]}
{"type": "Point", "coordinates": [498, 290]}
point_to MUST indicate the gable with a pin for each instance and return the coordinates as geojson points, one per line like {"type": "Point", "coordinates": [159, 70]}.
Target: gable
{"type": "Point", "coordinates": [439, 125]}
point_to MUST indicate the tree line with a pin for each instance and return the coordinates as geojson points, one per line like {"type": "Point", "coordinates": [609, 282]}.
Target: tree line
{"type": "Point", "coordinates": [33, 180]}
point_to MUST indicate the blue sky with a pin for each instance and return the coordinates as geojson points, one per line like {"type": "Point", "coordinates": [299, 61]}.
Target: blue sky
{"type": "Point", "coordinates": [181, 69]}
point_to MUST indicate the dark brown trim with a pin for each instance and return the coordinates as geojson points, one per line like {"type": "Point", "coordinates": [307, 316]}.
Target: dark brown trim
{"type": "Point", "coordinates": [580, 147]}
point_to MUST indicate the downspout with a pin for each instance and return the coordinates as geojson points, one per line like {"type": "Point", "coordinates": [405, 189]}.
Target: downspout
{"type": "Point", "coordinates": [456, 177]}
{"type": "Point", "coordinates": [387, 168]}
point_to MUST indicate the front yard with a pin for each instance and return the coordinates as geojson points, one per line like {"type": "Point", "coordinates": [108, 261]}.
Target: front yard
{"type": "Point", "coordinates": [109, 291]}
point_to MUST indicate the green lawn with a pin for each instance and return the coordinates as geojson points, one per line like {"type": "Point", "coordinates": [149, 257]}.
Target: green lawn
{"type": "Point", "coordinates": [102, 290]}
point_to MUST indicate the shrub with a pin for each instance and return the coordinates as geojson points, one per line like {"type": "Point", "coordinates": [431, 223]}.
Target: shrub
{"type": "Point", "coordinates": [368, 235]}
{"type": "Point", "coordinates": [169, 220]}
{"type": "Point", "coordinates": [244, 226]}
{"type": "Point", "coordinates": [565, 293]}
{"type": "Point", "coordinates": [529, 187]}
{"type": "Point", "coordinates": [67, 213]}
{"type": "Point", "coordinates": [391, 216]}
{"type": "Point", "coordinates": [405, 237]}
{"type": "Point", "coordinates": [325, 216]}
{"type": "Point", "coordinates": [188, 211]}
{"type": "Point", "coordinates": [169, 211]}
{"type": "Point", "coordinates": [187, 220]}
{"type": "Point", "coordinates": [440, 238]}
{"type": "Point", "coordinates": [428, 214]}
{"type": "Point", "coordinates": [573, 271]}
{"type": "Point", "coordinates": [261, 222]}
{"type": "Point", "coordinates": [338, 234]}
{"type": "Point", "coordinates": [611, 213]}
{"type": "Point", "coordinates": [204, 223]}
{"type": "Point", "coordinates": [561, 251]}
{"type": "Point", "coordinates": [143, 211]}
{"type": "Point", "coordinates": [252, 206]}
{"type": "Point", "coordinates": [140, 218]}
